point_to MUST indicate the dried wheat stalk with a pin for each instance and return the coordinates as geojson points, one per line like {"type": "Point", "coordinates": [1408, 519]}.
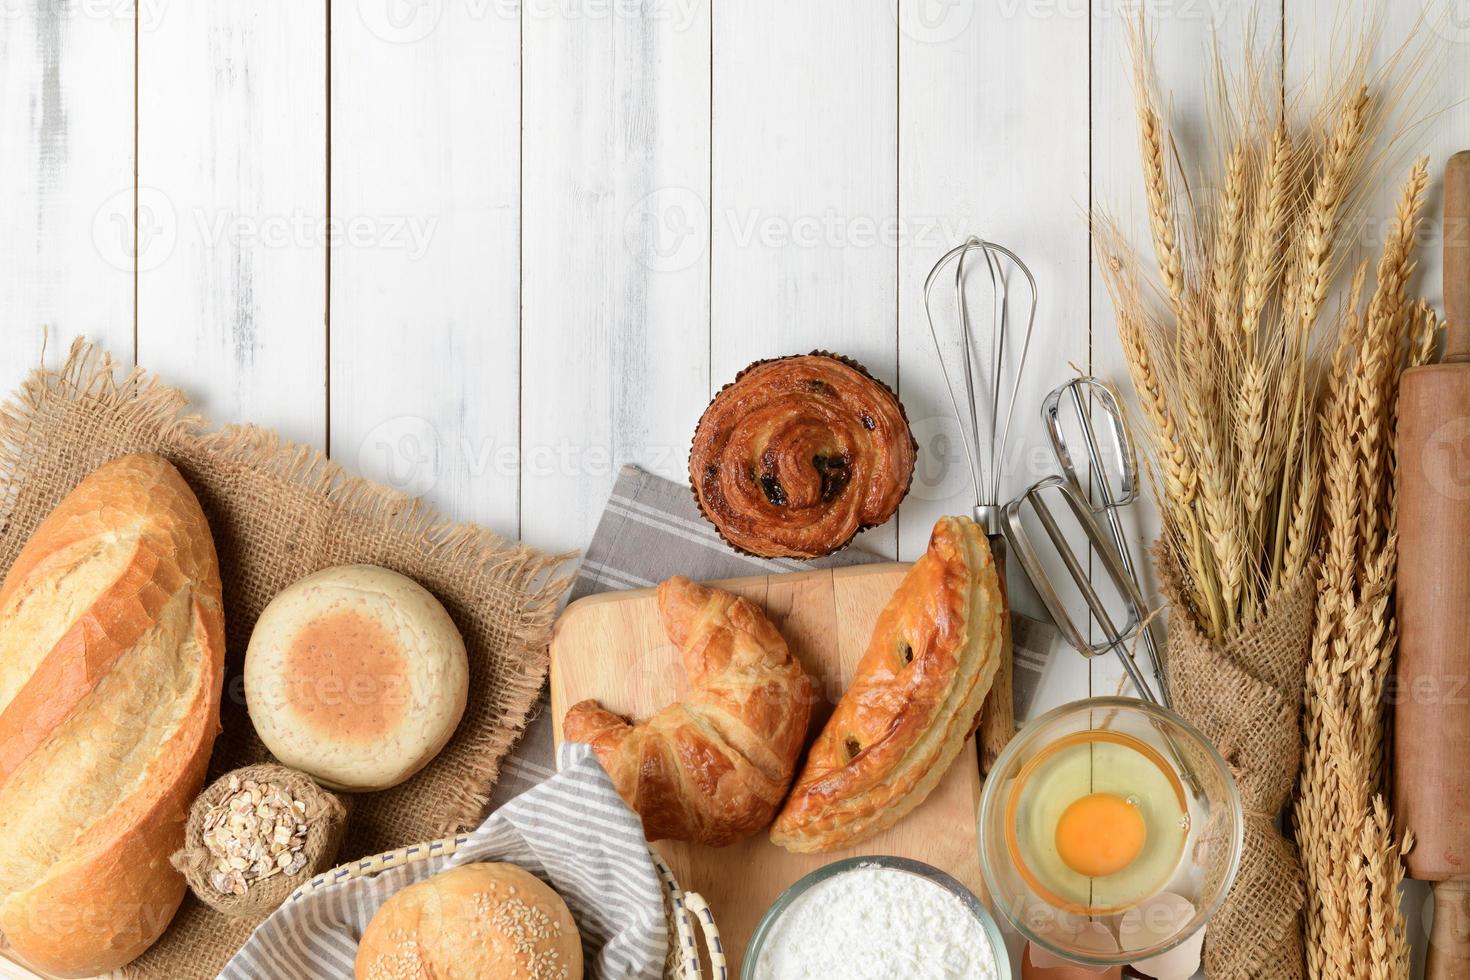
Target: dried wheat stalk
{"type": "Point", "coordinates": [1226, 350]}
{"type": "Point", "coordinates": [1348, 844]}
{"type": "Point", "coordinates": [1270, 426]}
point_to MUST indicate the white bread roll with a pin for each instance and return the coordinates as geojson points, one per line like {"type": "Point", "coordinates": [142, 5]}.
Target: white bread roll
{"type": "Point", "coordinates": [111, 657]}
{"type": "Point", "coordinates": [480, 921]}
{"type": "Point", "coordinates": [357, 676]}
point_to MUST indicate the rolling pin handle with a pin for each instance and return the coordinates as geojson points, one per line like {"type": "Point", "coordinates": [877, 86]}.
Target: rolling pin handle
{"type": "Point", "coordinates": [1449, 938]}
{"type": "Point", "coordinates": [1456, 233]}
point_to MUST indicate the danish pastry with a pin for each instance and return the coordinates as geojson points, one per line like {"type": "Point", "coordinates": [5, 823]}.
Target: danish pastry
{"type": "Point", "coordinates": [797, 455]}
{"type": "Point", "coordinates": [912, 703]}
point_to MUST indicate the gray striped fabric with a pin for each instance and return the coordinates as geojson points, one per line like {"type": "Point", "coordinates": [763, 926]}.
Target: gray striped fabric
{"type": "Point", "coordinates": [652, 529]}
{"type": "Point", "coordinates": [572, 831]}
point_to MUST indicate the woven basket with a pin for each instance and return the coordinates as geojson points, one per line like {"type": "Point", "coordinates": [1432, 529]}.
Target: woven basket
{"type": "Point", "coordinates": [682, 909]}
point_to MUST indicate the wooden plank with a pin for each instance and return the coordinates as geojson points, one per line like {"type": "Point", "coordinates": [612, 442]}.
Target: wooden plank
{"type": "Point", "coordinates": [993, 142]}
{"type": "Point", "coordinates": [66, 201]}
{"type": "Point", "coordinates": [613, 648]}
{"type": "Point", "coordinates": [616, 234]}
{"type": "Point", "coordinates": [803, 234]}
{"type": "Point", "coordinates": [424, 357]}
{"type": "Point", "coordinates": [1184, 37]}
{"type": "Point", "coordinates": [232, 164]}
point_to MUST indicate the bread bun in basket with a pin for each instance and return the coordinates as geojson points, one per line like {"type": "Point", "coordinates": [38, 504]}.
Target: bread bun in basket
{"type": "Point", "coordinates": [488, 921]}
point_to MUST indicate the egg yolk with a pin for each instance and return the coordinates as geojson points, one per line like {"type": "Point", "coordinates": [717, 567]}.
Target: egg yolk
{"type": "Point", "coordinates": [1100, 834]}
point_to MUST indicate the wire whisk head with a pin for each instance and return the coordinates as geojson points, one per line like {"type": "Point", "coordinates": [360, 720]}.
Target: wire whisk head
{"type": "Point", "coordinates": [968, 308]}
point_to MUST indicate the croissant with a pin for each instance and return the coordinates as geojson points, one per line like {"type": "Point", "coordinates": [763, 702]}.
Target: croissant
{"type": "Point", "coordinates": [714, 767]}
{"type": "Point", "coordinates": [799, 454]}
{"type": "Point", "coordinates": [912, 702]}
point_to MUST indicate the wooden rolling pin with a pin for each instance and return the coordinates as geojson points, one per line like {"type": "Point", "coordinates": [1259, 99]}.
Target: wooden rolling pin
{"type": "Point", "coordinates": [1432, 713]}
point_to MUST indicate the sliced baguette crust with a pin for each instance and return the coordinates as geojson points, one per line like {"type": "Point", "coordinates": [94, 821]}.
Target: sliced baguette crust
{"type": "Point", "coordinates": [912, 702]}
{"type": "Point", "coordinates": [95, 893]}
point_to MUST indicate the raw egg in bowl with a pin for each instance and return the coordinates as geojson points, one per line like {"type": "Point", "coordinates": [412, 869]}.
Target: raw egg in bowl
{"type": "Point", "coordinates": [1098, 808]}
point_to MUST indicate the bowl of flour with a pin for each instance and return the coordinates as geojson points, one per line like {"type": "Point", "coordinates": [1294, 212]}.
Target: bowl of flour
{"type": "Point", "coordinates": [877, 918]}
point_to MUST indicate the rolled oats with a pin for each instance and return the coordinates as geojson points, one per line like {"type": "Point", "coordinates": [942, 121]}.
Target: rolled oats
{"type": "Point", "coordinates": [255, 831]}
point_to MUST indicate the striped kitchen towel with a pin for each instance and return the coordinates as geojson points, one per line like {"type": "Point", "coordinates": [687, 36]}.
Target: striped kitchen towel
{"type": "Point", "coordinates": [652, 529]}
{"type": "Point", "coordinates": [571, 831]}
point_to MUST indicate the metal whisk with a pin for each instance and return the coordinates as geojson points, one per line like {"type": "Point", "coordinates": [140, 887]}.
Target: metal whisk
{"type": "Point", "coordinates": [977, 384]}
{"type": "Point", "coordinates": [1112, 470]}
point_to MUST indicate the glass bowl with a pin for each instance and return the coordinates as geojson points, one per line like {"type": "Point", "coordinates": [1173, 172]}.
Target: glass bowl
{"type": "Point", "coordinates": [767, 925]}
{"type": "Point", "coordinates": [1200, 799]}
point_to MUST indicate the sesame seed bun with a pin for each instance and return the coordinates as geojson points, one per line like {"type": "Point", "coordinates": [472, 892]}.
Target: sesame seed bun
{"type": "Point", "coordinates": [490, 921]}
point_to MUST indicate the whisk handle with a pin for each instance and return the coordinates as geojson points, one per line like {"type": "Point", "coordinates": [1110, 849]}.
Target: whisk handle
{"type": "Point", "coordinates": [998, 716]}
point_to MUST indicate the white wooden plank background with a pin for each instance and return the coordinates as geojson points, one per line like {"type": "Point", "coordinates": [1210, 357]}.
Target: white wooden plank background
{"type": "Point", "coordinates": [66, 181]}
{"type": "Point", "coordinates": [232, 205]}
{"type": "Point", "coordinates": [490, 250]}
{"type": "Point", "coordinates": [424, 356]}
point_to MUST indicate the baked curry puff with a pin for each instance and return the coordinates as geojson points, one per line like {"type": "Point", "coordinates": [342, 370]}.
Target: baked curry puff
{"type": "Point", "coordinates": [912, 703]}
{"type": "Point", "coordinates": [713, 768]}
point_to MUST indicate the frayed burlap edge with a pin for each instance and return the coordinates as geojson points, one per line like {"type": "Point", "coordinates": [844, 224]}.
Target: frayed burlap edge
{"type": "Point", "coordinates": [522, 568]}
{"type": "Point", "coordinates": [142, 400]}
{"type": "Point", "coordinates": [121, 409]}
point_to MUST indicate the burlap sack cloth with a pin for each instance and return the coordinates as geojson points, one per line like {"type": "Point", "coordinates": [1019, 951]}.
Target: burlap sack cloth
{"type": "Point", "coordinates": [279, 511]}
{"type": "Point", "coordinates": [1246, 696]}
{"type": "Point", "coordinates": [325, 816]}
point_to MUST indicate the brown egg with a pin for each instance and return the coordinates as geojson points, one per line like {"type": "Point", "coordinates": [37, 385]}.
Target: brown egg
{"type": "Point", "coordinates": [1061, 970]}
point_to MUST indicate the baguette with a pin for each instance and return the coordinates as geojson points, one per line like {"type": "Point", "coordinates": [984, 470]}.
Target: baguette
{"type": "Point", "coordinates": [111, 658]}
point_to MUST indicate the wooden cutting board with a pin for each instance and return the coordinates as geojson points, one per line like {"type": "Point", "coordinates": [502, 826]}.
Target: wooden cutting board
{"type": "Point", "coordinates": [612, 647]}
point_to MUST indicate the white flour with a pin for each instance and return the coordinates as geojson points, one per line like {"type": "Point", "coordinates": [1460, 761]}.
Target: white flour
{"type": "Point", "coordinates": [874, 923]}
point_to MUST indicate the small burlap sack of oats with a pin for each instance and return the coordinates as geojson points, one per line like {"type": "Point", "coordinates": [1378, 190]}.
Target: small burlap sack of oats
{"type": "Point", "coordinates": [255, 834]}
{"type": "Point", "coordinates": [1246, 696]}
